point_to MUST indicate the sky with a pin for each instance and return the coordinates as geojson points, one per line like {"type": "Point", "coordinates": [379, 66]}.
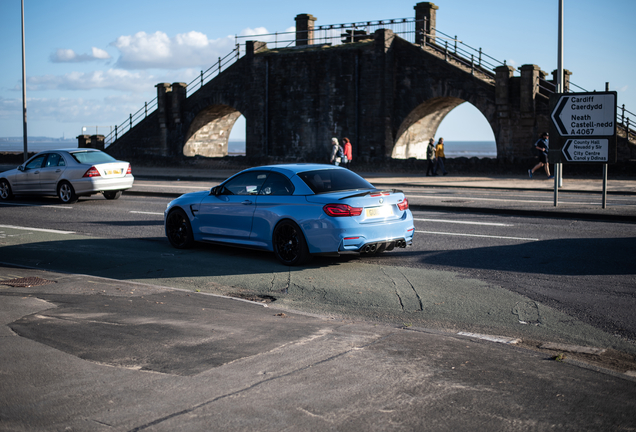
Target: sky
{"type": "Point", "coordinates": [89, 64]}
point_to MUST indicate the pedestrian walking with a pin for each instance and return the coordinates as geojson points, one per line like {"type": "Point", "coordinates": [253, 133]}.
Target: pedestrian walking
{"type": "Point", "coordinates": [336, 152]}
{"type": "Point", "coordinates": [430, 157]}
{"type": "Point", "coordinates": [440, 157]}
{"type": "Point", "coordinates": [540, 149]}
{"type": "Point", "coordinates": [348, 153]}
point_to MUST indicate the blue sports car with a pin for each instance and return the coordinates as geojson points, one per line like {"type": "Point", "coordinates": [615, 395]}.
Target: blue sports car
{"type": "Point", "coordinates": [295, 211]}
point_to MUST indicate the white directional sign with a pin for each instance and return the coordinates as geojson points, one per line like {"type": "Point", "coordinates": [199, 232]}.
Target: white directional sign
{"type": "Point", "coordinates": [586, 114]}
{"type": "Point", "coordinates": [586, 150]}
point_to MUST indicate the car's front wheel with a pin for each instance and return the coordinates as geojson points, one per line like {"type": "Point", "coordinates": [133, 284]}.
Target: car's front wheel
{"type": "Point", "coordinates": [179, 230]}
{"type": "Point", "coordinates": [289, 244]}
{"type": "Point", "coordinates": [5, 190]}
{"type": "Point", "coordinates": [112, 195]}
{"type": "Point", "coordinates": [66, 193]}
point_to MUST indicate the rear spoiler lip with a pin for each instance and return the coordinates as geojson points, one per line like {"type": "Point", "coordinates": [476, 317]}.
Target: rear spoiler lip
{"type": "Point", "coordinates": [390, 191]}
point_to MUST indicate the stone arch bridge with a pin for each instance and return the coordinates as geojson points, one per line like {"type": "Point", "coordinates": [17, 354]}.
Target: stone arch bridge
{"type": "Point", "coordinates": [387, 94]}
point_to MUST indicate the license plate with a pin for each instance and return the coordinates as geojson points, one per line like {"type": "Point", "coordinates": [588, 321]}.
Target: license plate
{"type": "Point", "coordinates": [383, 211]}
{"type": "Point", "coordinates": [115, 171]}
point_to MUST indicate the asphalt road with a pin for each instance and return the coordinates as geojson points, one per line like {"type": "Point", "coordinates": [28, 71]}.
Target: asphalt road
{"type": "Point", "coordinates": [466, 271]}
{"type": "Point", "coordinates": [122, 334]}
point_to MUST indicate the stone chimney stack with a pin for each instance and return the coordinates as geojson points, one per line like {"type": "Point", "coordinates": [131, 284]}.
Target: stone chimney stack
{"type": "Point", "coordinates": [305, 29]}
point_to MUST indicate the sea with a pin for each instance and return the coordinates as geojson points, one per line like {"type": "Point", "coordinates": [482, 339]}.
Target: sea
{"type": "Point", "coordinates": [452, 149]}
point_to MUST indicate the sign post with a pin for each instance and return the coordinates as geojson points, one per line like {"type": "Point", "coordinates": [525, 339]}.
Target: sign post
{"type": "Point", "coordinates": [583, 129]}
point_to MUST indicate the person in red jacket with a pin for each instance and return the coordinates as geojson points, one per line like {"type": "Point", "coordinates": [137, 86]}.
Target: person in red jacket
{"type": "Point", "coordinates": [347, 153]}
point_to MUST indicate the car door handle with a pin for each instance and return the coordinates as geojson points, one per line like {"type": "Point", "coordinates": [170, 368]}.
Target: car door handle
{"type": "Point", "coordinates": [247, 202]}
{"type": "Point", "coordinates": [58, 170]}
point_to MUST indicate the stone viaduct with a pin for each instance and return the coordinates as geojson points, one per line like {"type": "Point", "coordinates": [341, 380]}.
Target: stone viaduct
{"type": "Point", "coordinates": [388, 95]}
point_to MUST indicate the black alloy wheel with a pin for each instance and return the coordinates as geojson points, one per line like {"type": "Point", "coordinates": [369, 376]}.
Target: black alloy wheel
{"type": "Point", "coordinates": [179, 230]}
{"type": "Point", "coordinates": [289, 244]}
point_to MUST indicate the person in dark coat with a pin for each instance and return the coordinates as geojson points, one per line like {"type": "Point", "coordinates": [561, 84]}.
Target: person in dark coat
{"type": "Point", "coordinates": [430, 157]}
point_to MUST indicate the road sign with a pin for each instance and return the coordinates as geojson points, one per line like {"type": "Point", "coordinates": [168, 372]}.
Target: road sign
{"type": "Point", "coordinates": [587, 114]}
{"type": "Point", "coordinates": [583, 128]}
{"type": "Point", "coordinates": [586, 150]}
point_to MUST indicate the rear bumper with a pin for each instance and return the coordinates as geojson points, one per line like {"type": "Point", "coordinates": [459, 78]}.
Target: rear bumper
{"type": "Point", "coordinates": [97, 184]}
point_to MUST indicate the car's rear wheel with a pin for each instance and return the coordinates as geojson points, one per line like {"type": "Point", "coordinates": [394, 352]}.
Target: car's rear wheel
{"type": "Point", "coordinates": [66, 193]}
{"type": "Point", "coordinates": [5, 190]}
{"type": "Point", "coordinates": [111, 195]}
{"type": "Point", "coordinates": [179, 230]}
{"type": "Point", "coordinates": [289, 244]}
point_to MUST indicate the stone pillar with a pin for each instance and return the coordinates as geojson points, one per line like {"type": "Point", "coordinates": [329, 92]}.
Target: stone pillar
{"type": "Point", "coordinates": [97, 142]}
{"type": "Point", "coordinates": [84, 141]}
{"type": "Point", "coordinates": [425, 22]}
{"type": "Point", "coordinates": [162, 117]}
{"type": "Point", "coordinates": [178, 96]}
{"type": "Point", "coordinates": [502, 90]}
{"type": "Point", "coordinates": [566, 79]}
{"type": "Point", "coordinates": [305, 29]}
{"type": "Point", "coordinates": [530, 75]}
{"type": "Point", "coordinates": [252, 47]}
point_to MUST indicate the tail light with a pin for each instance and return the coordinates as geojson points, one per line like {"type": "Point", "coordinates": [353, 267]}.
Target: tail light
{"type": "Point", "coordinates": [341, 210]}
{"type": "Point", "coordinates": [129, 170]}
{"type": "Point", "coordinates": [404, 204]}
{"type": "Point", "coordinates": [92, 172]}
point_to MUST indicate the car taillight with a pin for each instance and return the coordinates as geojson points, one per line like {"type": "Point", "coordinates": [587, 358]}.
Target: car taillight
{"type": "Point", "coordinates": [341, 210]}
{"type": "Point", "coordinates": [92, 172]}
{"type": "Point", "coordinates": [129, 170]}
{"type": "Point", "coordinates": [404, 204]}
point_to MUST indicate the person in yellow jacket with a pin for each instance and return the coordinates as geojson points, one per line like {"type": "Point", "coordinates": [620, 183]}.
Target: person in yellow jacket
{"type": "Point", "coordinates": [440, 157]}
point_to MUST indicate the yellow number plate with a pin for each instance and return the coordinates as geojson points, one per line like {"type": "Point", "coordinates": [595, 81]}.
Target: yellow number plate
{"type": "Point", "coordinates": [383, 211]}
{"type": "Point", "coordinates": [116, 171]}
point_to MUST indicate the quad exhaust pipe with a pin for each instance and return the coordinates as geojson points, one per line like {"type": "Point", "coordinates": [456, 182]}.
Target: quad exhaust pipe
{"type": "Point", "coordinates": [372, 247]}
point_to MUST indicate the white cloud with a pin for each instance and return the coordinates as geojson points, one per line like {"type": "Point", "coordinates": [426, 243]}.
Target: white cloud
{"type": "Point", "coordinates": [106, 111]}
{"type": "Point", "coordinates": [100, 54]}
{"type": "Point", "coordinates": [112, 79]}
{"type": "Point", "coordinates": [69, 56]}
{"type": "Point", "coordinates": [157, 50]}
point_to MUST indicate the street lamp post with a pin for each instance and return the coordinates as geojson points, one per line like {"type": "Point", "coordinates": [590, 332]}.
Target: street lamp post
{"type": "Point", "coordinates": [24, 106]}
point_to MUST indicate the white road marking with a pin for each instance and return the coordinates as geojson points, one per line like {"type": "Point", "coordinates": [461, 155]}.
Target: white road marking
{"type": "Point", "coordinates": [464, 222]}
{"type": "Point", "coordinates": [37, 205]}
{"type": "Point", "coordinates": [164, 186]}
{"type": "Point", "coordinates": [148, 213]}
{"type": "Point", "coordinates": [477, 235]}
{"type": "Point", "coordinates": [37, 229]}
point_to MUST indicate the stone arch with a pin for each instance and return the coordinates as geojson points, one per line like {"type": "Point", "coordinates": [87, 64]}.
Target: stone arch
{"type": "Point", "coordinates": [420, 125]}
{"type": "Point", "coordinates": [209, 131]}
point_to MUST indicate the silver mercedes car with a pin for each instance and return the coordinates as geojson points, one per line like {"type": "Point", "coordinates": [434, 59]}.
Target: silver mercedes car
{"type": "Point", "coordinates": [68, 174]}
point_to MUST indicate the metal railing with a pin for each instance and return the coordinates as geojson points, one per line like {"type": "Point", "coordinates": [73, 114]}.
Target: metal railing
{"type": "Point", "coordinates": [214, 70]}
{"type": "Point", "coordinates": [131, 121]}
{"type": "Point", "coordinates": [450, 47]}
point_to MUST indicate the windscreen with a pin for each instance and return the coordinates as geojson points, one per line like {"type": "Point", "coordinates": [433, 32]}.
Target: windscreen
{"type": "Point", "coordinates": [333, 180]}
{"type": "Point", "coordinates": [92, 157]}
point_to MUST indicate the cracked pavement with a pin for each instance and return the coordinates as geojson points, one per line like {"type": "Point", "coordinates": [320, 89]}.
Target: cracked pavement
{"type": "Point", "coordinates": [89, 353]}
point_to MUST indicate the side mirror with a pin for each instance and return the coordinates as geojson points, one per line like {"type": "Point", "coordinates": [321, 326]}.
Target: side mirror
{"type": "Point", "coordinates": [20, 167]}
{"type": "Point", "coordinates": [214, 191]}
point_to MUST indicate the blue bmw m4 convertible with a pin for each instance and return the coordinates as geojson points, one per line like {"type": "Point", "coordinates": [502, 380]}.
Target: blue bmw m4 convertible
{"type": "Point", "coordinates": [295, 211]}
